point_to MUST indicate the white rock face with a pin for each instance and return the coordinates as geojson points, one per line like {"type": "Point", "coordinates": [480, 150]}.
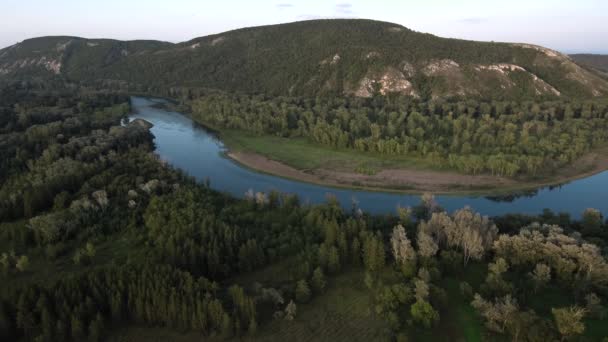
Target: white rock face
{"type": "Point", "coordinates": [501, 67]}
{"type": "Point", "coordinates": [408, 69]}
{"type": "Point", "coordinates": [91, 44]}
{"type": "Point", "coordinates": [390, 81]}
{"type": "Point", "coordinates": [53, 65]}
{"type": "Point", "coordinates": [194, 46]}
{"type": "Point", "coordinates": [440, 66]}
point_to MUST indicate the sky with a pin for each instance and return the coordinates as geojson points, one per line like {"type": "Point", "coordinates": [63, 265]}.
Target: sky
{"type": "Point", "coordinates": [569, 26]}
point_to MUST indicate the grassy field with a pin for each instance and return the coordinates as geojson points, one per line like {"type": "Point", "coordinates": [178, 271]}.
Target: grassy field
{"type": "Point", "coordinates": [305, 155]}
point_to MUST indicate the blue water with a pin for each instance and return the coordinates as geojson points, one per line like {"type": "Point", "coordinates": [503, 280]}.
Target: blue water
{"type": "Point", "coordinates": [187, 146]}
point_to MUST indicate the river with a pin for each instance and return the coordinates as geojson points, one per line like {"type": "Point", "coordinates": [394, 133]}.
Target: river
{"type": "Point", "coordinates": [189, 147]}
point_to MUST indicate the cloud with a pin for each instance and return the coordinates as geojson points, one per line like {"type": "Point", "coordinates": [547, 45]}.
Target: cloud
{"type": "Point", "coordinates": [284, 6]}
{"type": "Point", "coordinates": [340, 11]}
{"type": "Point", "coordinates": [473, 20]}
{"type": "Point", "coordinates": [344, 8]}
{"type": "Point", "coordinates": [344, 5]}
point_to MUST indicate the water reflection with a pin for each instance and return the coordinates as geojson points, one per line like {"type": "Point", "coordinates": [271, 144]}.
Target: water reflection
{"type": "Point", "coordinates": [194, 149]}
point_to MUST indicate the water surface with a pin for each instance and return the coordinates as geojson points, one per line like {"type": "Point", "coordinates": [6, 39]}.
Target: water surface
{"type": "Point", "coordinates": [188, 146]}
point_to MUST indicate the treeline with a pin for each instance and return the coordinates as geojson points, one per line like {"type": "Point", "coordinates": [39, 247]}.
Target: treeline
{"type": "Point", "coordinates": [85, 306]}
{"type": "Point", "coordinates": [501, 138]}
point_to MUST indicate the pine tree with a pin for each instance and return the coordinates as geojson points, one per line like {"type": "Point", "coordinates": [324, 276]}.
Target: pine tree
{"type": "Point", "coordinates": [355, 252]}
{"type": "Point", "coordinates": [302, 291]}
{"type": "Point", "coordinates": [318, 280]}
{"type": "Point", "coordinates": [253, 327]}
{"type": "Point", "coordinates": [333, 260]}
{"type": "Point", "coordinates": [78, 332]}
{"type": "Point", "coordinates": [23, 263]}
{"type": "Point", "coordinates": [96, 328]}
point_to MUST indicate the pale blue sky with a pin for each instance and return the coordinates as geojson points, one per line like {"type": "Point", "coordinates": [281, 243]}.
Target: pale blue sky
{"type": "Point", "coordinates": [565, 25]}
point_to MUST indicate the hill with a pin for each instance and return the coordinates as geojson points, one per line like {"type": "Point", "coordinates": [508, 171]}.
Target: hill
{"type": "Point", "coordinates": [309, 58]}
{"type": "Point", "coordinates": [598, 62]}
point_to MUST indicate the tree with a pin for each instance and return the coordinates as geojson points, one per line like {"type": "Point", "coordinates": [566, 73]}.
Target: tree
{"type": "Point", "coordinates": [427, 247]}
{"type": "Point", "coordinates": [90, 250]}
{"type": "Point", "coordinates": [302, 291]}
{"type": "Point", "coordinates": [96, 328]}
{"type": "Point", "coordinates": [333, 260]}
{"type": "Point", "coordinates": [253, 327]}
{"type": "Point", "coordinates": [405, 215]}
{"type": "Point", "coordinates": [500, 315]}
{"type": "Point", "coordinates": [5, 262]}
{"type": "Point", "coordinates": [467, 230]}
{"type": "Point", "coordinates": [593, 304]}
{"type": "Point", "coordinates": [355, 252]}
{"type": "Point", "coordinates": [569, 321]}
{"type": "Point", "coordinates": [495, 281]}
{"type": "Point", "coordinates": [290, 311]}
{"type": "Point", "coordinates": [373, 253]}
{"type": "Point", "coordinates": [401, 246]}
{"type": "Point", "coordinates": [541, 275]}
{"type": "Point", "coordinates": [318, 280]}
{"type": "Point", "coordinates": [23, 263]}
{"type": "Point", "coordinates": [421, 290]}
{"type": "Point", "coordinates": [471, 232]}
{"type": "Point", "coordinates": [591, 221]}
{"type": "Point", "coordinates": [78, 332]}
{"type": "Point", "coordinates": [423, 312]}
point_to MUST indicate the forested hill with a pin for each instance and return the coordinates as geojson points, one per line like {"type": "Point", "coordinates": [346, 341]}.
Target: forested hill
{"type": "Point", "coordinates": [309, 58]}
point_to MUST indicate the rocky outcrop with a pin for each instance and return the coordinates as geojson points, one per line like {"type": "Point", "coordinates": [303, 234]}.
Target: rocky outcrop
{"type": "Point", "coordinates": [389, 81]}
{"type": "Point", "coordinates": [51, 64]}
{"type": "Point", "coordinates": [440, 66]}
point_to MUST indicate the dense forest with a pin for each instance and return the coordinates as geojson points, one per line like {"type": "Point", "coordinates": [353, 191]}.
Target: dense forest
{"type": "Point", "coordinates": [499, 137]}
{"type": "Point", "coordinates": [98, 235]}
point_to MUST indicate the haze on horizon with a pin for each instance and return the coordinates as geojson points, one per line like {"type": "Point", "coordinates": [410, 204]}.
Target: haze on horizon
{"type": "Point", "coordinates": [565, 25]}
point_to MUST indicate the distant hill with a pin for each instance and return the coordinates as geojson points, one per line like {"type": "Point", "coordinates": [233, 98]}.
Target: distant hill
{"type": "Point", "coordinates": [309, 58]}
{"type": "Point", "coordinates": [599, 62]}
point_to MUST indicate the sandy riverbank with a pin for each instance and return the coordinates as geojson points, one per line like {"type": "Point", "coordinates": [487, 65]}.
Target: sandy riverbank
{"type": "Point", "coordinates": [417, 181]}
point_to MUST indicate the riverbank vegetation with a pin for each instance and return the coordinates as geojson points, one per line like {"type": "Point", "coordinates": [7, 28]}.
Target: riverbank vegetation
{"type": "Point", "coordinates": [99, 239]}
{"type": "Point", "coordinates": [525, 140]}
